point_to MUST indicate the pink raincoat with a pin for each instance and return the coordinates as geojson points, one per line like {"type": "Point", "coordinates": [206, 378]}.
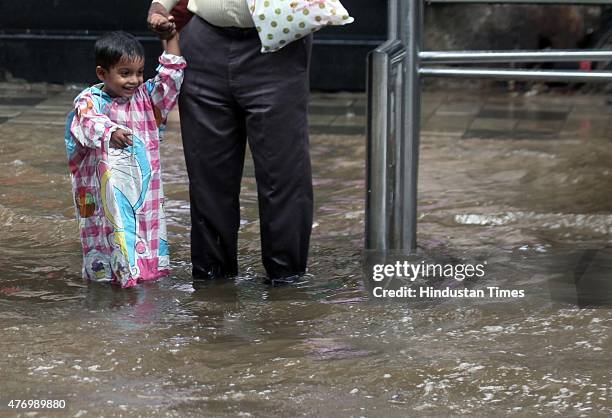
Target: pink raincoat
{"type": "Point", "coordinates": [118, 193]}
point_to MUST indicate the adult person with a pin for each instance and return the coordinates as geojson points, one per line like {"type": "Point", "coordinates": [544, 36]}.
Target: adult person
{"type": "Point", "coordinates": [232, 92]}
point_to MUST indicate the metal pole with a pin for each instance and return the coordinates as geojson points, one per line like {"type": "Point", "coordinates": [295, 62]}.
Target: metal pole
{"type": "Point", "coordinates": [405, 204]}
{"type": "Point", "coordinates": [376, 162]}
{"type": "Point", "coordinates": [463, 57]}
{"type": "Point", "coordinates": [380, 112]}
{"type": "Point", "coordinates": [393, 22]}
{"type": "Point", "coordinates": [503, 74]}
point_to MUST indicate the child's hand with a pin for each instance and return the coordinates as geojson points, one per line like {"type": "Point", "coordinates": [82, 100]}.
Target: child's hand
{"type": "Point", "coordinates": [162, 23]}
{"type": "Point", "coordinates": [120, 139]}
{"type": "Point", "coordinates": [164, 26]}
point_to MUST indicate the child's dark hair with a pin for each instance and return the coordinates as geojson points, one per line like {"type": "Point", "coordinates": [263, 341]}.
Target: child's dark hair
{"type": "Point", "coordinates": [113, 46]}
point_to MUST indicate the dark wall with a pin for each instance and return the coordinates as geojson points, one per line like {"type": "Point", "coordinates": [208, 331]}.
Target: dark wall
{"type": "Point", "coordinates": [97, 15]}
{"type": "Point", "coordinates": [508, 26]}
{"type": "Point", "coordinates": [52, 40]}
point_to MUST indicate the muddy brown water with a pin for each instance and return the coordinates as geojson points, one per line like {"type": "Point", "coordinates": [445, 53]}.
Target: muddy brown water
{"type": "Point", "coordinates": [532, 208]}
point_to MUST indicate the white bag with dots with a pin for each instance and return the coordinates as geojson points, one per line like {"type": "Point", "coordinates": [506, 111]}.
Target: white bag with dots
{"type": "Point", "coordinates": [280, 22]}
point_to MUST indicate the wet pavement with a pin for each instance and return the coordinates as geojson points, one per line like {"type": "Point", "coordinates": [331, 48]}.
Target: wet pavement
{"type": "Point", "coordinates": [524, 183]}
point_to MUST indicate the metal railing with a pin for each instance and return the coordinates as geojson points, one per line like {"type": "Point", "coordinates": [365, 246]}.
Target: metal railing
{"type": "Point", "coordinates": [395, 69]}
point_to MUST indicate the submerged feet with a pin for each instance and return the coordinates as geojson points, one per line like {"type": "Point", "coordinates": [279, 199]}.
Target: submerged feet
{"type": "Point", "coordinates": [284, 281]}
{"type": "Point", "coordinates": [201, 276]}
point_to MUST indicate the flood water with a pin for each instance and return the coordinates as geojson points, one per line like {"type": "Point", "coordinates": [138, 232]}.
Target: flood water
{"type": "Point", "coordinates": [539, 210]}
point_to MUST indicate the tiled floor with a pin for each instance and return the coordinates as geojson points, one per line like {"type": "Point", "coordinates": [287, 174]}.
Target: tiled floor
{"type": "Point", "coordinates": [469, 115]}
{"type": "Point", "coordinates": [459, 114]}
{"type": "Point", "coordinates": [339, 114]}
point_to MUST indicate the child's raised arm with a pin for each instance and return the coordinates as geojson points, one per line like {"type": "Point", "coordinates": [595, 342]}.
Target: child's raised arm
{"type": "Point", "coordinates": [171, 46]}
{"type": "Point", "coordinates": [165, 87]}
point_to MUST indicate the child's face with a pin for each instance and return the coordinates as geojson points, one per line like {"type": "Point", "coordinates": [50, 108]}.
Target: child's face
{"type": "Point", "coordinates": [122, 79]}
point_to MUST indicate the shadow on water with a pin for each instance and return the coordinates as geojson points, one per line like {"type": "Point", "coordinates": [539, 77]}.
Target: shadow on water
{"type": "Point", "coordinates": [592, 278]}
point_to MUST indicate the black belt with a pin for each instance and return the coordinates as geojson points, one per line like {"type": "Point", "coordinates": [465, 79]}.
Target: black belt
{"type": "Point", "coordinates": [232, 31]}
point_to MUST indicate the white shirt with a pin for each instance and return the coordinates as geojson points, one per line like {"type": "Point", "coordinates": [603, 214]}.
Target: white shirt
{"type": "Point", "coordinates": [217, 12]}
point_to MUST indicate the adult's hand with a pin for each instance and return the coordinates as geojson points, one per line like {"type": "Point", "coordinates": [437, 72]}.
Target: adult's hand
{"type": "Point", "coordinates": [160, 21]}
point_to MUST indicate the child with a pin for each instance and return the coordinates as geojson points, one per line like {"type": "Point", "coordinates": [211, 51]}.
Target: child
{"type": "Point", "coordinates": [112, 140]}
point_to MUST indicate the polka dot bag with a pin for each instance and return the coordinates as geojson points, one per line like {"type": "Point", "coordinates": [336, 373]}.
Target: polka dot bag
{"type": "Point", "coordinates": [280, 22]}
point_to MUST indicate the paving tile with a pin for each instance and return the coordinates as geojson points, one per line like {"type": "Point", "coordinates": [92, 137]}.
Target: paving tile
{"type": "Point", "coordinates": [584, 128]}
{"type": "Point", "coordinates": [314, 119]}
{"type": "Point", "coordinates": [458, 109]}
{"type": "Point", "coordinates": [527, 104]}
{"type": "Point", "coordinates": [338, 95]}
{"type": "Point", "coordinates": [590, 112]}
{"type": "Point", "coordinates": [425, 119]}
{"type": "Point", "coordinates": [11, 111]}
{"type": "Point", "coordinates": [330, 102]}
{"type": "Point", "coordinates": [349, 121]}
{"type": "Point", "coordinates": [540, 125]}
{"type": "Point", "coordinates": [60, 100]}
{"type": "Point", "coordinates": [326, 110]}
{"type": "Point", "coordinates": [53, 108]}
{"type": "Point", "coordinates": [336, 130]}
{"type": "Point", "coordinates": [486, 134]}
{"type": "Point", "coordinates": [357, 110]}
{"type": "Point", "coordinates": [38, 119]}
{"type": "Point", "coordinates": [20, 101]}
{"type": "Point", "coordinates": [510, 135]}
{"type": "Point", "coordinates": [526, 134]}
{"type": "Point", "coordinates": [439, 96]}
{"type": "Point", "coordinates": [336, 110]}
{"type": "Point", "coordinates": [522, 114]}
{"type": "Point", "coordinates": [27, 122]}
{"type": "Point", "coordinates": [550, 100]}
{"type": "Point", "coordinates": [59, 112]}
{"type": "Point", "coordinates": [429, 109]}
{"type": "Point", "coordinates": [503, 106]}
{"type": "Point", "coordinates": [447, 123]}
{"type": "Point", "coordinates": [493, 124]}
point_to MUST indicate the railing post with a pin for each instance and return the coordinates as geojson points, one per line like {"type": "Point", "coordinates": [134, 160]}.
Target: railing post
{"type": "Point", "coordinates": [381, 112]}
{"type": "Point", "coordinates": [377, 194]}
{"type": "Point", "coordinates": [394, 95]}
{"type": "Point", "coordinates": [411, 26]}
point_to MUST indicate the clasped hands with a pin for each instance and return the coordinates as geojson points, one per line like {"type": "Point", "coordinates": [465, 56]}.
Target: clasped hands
{"type": "Point", "coordinates": [161, 22]}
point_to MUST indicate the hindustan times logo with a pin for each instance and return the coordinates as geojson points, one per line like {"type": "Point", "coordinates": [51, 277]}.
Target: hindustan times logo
{"type": "Point", "coordinates": [410, 271]}
{"type": "Point", "coordinates": [447, 292]}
